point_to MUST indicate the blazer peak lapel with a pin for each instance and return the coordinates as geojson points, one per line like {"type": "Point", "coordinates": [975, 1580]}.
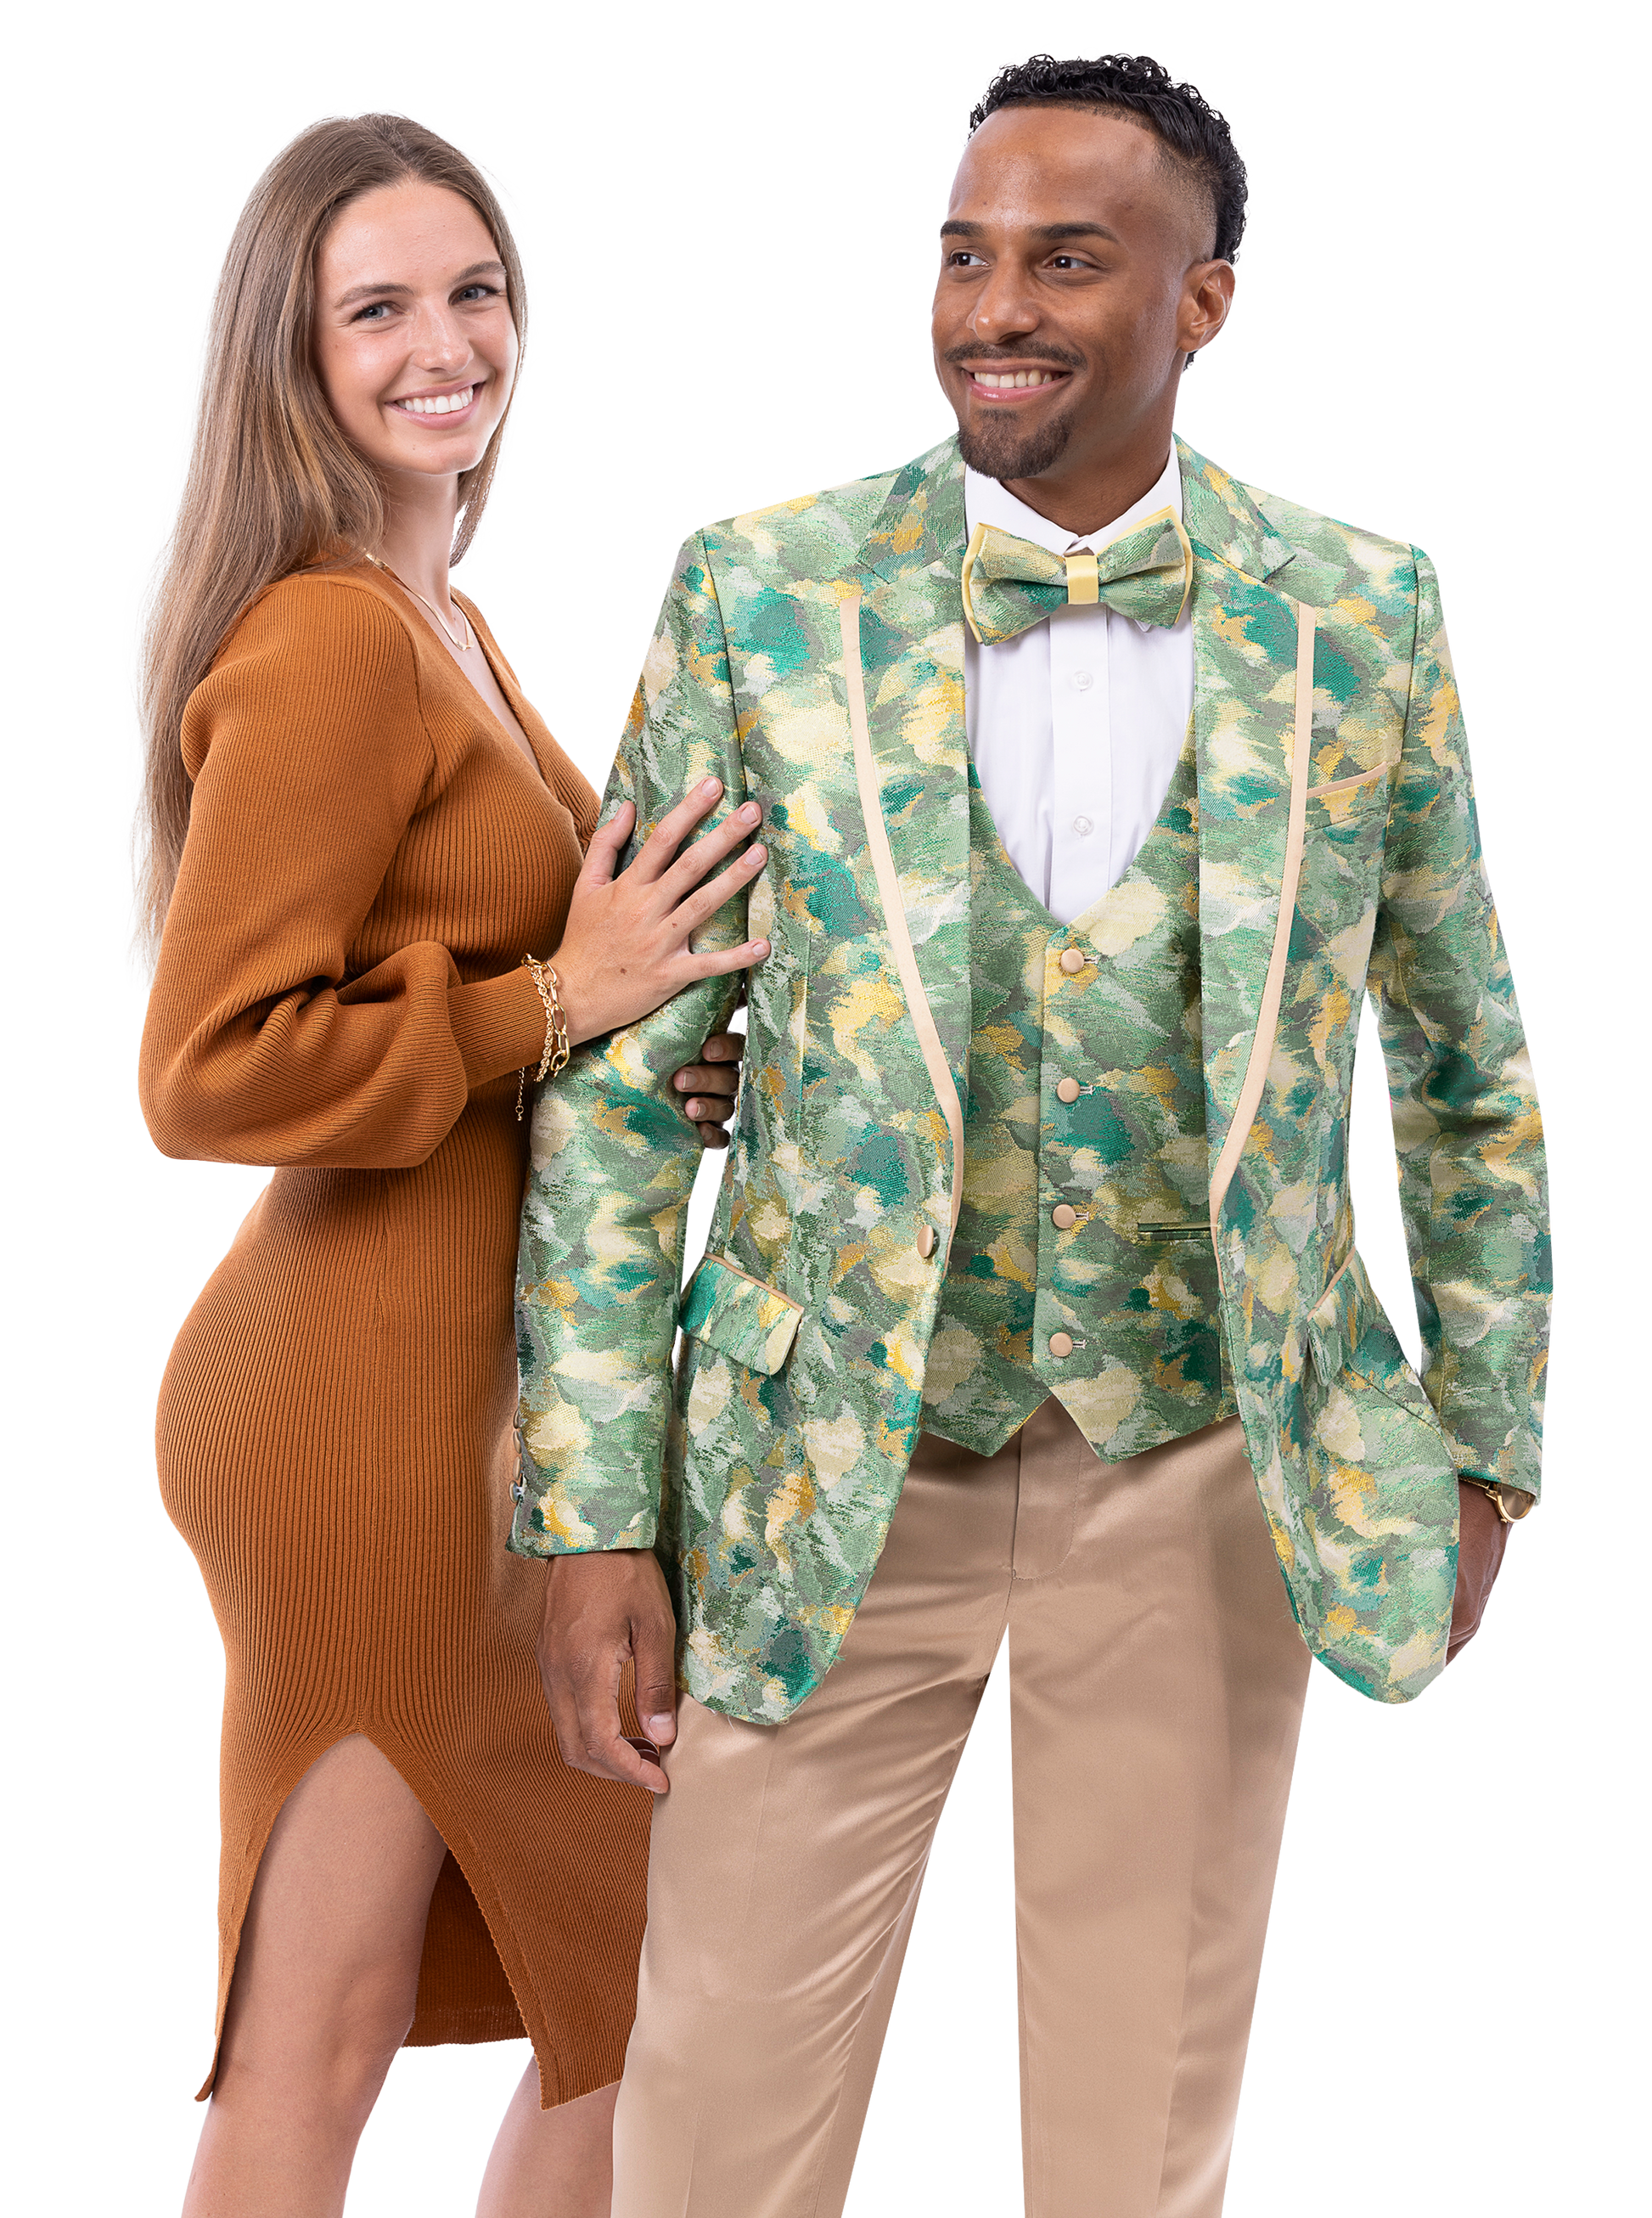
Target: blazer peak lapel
{"type": "Point", "coordinates": [1252, 706]}
{"type": "Point", "coordinates": [905, 633]}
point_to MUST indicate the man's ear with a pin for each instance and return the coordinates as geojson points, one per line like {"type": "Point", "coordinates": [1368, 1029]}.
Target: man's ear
{"type": "Point", "coordinates": [1207, 295]}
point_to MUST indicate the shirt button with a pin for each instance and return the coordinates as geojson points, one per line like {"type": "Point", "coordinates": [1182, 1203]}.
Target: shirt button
{"type": "Point", "coordinates": [1083, 680]}
{"type": "Point", "coordinates": [1071, 960]}
{"type": "Point", "coordinates": [1061, 1343]}
{"type": "Point", "coordinates": [1083, 827]}
{"type": "Point", "coordinates": [520, 1491]}
{"type": "Point", "coordinates": [1064, 1216]}
{"type": "Point", "coordinates": [1068, 1090]}
{"type": "Point", "coordinates": [926, 1242]}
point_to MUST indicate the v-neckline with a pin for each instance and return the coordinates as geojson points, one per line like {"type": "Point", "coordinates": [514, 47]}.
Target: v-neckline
{"type": "Point", "coordinates": [510, 692]}
{"type": "Point", "coordinates": [1083, 926]}
{"type": "Point", "coordinates": [513, 697]}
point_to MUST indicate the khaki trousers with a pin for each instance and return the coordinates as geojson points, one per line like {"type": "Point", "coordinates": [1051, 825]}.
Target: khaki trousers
{"type": "Point", "coordinates": [1156, 1683]}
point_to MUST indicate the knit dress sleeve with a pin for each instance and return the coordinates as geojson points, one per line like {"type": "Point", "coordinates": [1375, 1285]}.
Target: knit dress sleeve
{"type": "Point", "coordinates": [310, 755]}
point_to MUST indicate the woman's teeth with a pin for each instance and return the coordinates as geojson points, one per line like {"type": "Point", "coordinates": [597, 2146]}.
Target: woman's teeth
{"type": "Point", "coordinates": [444, 404]}
{"type": "Point", "coordinates": [1014, 377]}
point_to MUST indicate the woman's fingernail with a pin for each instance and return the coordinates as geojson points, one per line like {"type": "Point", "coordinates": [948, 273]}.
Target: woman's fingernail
{"type": "Point", "coordinates": [751, 813]}
{"type": "Point", "coordinates": [711, 786]}
{"type": "Point", "coordinates": [756, 855]}
{"type": "Point", "coordinates": [760, 949]}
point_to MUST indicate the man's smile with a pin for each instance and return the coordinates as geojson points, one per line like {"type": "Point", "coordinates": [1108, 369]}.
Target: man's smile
{"type": "Point", "coordinates": [1011, 384]}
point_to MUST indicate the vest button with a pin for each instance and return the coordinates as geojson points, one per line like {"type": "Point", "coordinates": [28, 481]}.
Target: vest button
{"type": "Point", "coordinates": [1071, 960]}
{"type": "Point", "coordinates": [1068, 1090]}
{"type": "Point", "coordinates": [1063, 1216]}
{"type": "Point", "coordinates": [1061, 1343]}
{"type": "Point", "coordinates": [926, 1241]}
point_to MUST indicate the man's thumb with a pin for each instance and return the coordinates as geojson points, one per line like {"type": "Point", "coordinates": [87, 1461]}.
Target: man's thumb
{"type": "Point", "coordinates": [654, 1647]}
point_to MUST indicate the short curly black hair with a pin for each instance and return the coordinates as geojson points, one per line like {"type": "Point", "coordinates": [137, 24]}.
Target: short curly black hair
{"type": "Point", "coordinates": [1179, 115]}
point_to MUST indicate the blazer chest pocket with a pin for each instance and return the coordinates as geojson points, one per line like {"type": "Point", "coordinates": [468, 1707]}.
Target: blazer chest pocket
{"type": "Point", "coordinates": [739, 1316]}
{"type": "Point", "coordinates": [1342, 856]}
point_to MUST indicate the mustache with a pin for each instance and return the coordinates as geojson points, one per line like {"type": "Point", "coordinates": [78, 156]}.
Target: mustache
{"type": "Point", "coordinates": [1058, 358]}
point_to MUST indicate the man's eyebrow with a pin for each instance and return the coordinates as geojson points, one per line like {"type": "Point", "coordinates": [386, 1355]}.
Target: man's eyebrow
{"type": "Point", "coordinates": [957, 229]}
{"type": "Point", "coordinates": [375, 292]}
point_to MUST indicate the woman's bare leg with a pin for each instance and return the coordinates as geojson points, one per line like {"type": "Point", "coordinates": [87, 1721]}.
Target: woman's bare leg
{"type": "Point", "coordinates": [551, 2163]}
{"type": "Point", "coordinates": [323, 1990]}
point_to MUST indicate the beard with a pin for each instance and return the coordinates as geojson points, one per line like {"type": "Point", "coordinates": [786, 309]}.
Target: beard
{"type": "Point", "coordinates": [999, 447]}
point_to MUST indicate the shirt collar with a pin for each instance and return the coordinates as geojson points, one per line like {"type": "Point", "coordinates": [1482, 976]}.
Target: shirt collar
{"type": "Point", "coordinates": [986, 501]}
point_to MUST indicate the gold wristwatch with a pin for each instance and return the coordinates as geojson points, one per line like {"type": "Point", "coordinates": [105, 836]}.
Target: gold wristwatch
{"type": "Point", "coordinates": [1511, 1503]}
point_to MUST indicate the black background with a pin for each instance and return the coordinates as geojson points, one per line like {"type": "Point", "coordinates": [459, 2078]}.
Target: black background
{"type": "Point", "coordinates": [733, 229]}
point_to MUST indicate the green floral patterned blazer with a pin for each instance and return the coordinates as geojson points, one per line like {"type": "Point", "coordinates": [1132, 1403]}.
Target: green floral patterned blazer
{"type": "Point", "coordinates": [812, 657]}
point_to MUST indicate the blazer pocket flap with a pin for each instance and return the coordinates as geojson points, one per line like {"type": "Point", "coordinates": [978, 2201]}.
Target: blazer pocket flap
{"type": "Point", "coordinates": [739, 1316]}
{"type": "Point", "coordinates": [1333, 1327]}
{"type": "Point", "coordinates": [1349, 1336]}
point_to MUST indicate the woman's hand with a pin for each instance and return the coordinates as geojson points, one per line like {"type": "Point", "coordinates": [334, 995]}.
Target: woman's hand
{"type": "Point", "coordinates": [625, 947]}
{"type": "Point", "coordinates": [711, 1085]}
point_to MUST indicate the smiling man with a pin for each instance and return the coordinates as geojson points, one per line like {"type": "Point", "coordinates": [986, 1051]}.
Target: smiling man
{"type": "Point", "coordinates": [1100, 788]}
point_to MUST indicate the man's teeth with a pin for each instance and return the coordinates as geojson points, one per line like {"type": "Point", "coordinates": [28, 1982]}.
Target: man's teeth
{"type": "Point", "coordinates": [443, 405]}
{"type": "Point", "coordinates": [1014, 377]}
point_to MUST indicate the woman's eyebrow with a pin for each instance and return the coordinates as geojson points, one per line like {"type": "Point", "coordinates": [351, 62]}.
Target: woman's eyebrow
{"type": "Point", "coordinates": [363, 292]}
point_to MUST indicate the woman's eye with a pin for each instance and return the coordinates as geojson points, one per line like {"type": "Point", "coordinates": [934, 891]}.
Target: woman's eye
{"type": "Point", "coordinates": [478, 291]}
{"type": "Point", "coordinates": [374, 312]}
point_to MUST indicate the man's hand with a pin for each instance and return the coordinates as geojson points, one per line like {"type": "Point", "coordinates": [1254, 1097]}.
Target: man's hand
{"type": "Point", "coordinates": [603, 1612]}
{"type": "Point", "coordinates": [1482, 1538]}
{"type": "Point", "coordinates": [711, 1084]}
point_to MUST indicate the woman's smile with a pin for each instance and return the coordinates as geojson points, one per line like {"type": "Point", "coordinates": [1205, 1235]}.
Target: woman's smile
{"type": "Point", "coordinates": [444, 407]}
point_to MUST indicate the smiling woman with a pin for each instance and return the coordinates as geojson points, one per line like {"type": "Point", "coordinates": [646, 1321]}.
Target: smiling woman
{"type": "Point", "coordinates": [356, 823]}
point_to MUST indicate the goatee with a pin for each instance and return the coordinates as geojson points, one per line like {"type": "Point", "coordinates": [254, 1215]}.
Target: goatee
{"type": "Point", "coordinates": [1000, 450]}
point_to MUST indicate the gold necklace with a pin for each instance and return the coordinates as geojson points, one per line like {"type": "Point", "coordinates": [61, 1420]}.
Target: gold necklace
{"type": "Point", "coordinates": [459, 646]}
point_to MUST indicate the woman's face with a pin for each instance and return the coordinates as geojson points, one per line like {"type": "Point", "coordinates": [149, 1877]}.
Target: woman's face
{"type": "Point", "coordinates": [414, 343]}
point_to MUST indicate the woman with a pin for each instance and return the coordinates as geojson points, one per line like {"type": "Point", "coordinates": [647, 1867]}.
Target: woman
{"type": "Point", "coordinates": [357, 825]}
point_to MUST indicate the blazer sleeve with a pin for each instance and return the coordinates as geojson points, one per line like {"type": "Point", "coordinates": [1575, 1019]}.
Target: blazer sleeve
{"type": "Point", "coordinates": [1468, 1135]}
{"type": "Point", "coordinates": [614, 1160]}
{"type": "Point", "coordinates": [309, 757]}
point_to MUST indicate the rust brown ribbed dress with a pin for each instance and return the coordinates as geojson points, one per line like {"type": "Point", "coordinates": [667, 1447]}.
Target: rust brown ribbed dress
{"type": "Point", "coordinates": [339, 995]}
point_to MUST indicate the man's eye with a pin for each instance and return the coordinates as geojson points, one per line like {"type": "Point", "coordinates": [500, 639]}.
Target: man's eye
{"type": "Point", "coordinates": [962, 256]}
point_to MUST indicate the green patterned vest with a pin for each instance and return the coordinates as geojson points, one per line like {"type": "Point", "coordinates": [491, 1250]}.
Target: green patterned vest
{"type": "Point", "coordinates": [1082, 1265]}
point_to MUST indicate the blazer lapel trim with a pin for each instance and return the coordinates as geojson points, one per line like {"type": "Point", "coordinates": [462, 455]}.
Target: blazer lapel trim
{"type": "Point", "coordinates": [903, 687]}
{"type": "Point", "coordinates": [894, 911]}
{"type": "Point", "coordinates": [1267, 1023]}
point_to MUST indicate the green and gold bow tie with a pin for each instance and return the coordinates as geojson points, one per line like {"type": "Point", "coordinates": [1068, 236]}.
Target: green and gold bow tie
{"type": "Point", "coordinates": [1010, 584]}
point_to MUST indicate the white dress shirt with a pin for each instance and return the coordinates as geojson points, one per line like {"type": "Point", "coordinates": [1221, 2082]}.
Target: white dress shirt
{"type": "Point", "coordinates": [1076, 725]}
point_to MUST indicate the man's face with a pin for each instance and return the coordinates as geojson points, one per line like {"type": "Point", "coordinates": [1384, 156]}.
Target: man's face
{"type": "Point", "coordinates": [1075, 277]}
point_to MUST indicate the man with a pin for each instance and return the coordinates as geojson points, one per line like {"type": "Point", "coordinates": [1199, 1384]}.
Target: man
{"type": "Point", "coordinates": [1097, 788]}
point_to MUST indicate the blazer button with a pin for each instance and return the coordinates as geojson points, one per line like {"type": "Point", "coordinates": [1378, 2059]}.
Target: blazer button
{"type": "Point", "coordinates": [1068, 1090]}
{"type": "Point", "coordinates": [1064, 1216]}
{"type": "Point", "coordinates": [926, 1241]}
{"type": "Point", "coordinates": [1061, 1343]}
{"type": "Point", "coordinates": [1071, 960]}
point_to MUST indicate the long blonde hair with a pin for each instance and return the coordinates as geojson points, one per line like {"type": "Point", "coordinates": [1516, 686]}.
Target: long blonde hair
{"type": "Point", "coordinates": [273, 485]}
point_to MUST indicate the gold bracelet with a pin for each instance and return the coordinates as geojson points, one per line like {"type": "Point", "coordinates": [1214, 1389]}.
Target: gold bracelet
{"type": "Point", "coordinates": [557, 1050]}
